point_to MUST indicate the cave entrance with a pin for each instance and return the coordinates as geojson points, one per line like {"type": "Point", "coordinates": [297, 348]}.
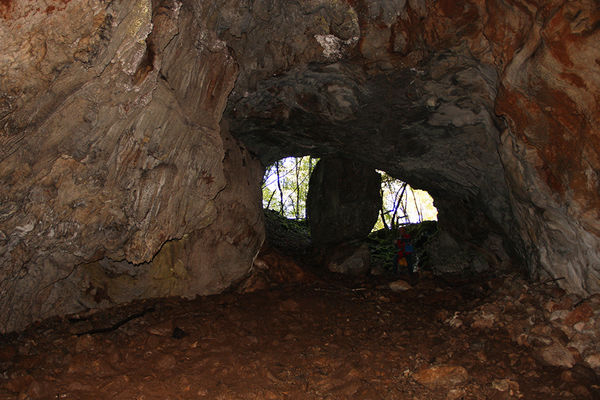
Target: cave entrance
{"type": "Point", "coordinates": [285, 190]}
{"type": "Point", "coordinates": [401, 204]}
{"type": "Point", "coordinates": [285, 186]}
{"type": "Point", "coordinates": [342, 206]}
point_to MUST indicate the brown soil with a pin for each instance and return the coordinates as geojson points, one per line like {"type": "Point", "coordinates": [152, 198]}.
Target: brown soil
{"type": "Point", "coordinates": [351, 340]}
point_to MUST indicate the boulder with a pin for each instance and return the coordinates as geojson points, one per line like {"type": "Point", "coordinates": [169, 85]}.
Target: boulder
{"type": "Point", "coordinates": [443, 375]}
{"type": "Point", "coordinates": [399, 286]}
{"type": "Point", "coordinates": [343, 201]}
{"type": "Point", "coordinates": [350, 259]}
{"type": "Point", "coordinates": [557, 355]}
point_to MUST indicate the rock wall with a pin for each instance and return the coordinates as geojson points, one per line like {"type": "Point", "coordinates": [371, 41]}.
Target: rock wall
{"type": "Point", "coordinates": [112, 151]}
{"type": "Point", "coordinates": [205, 261]}
{"type": "Point", "coordinates": [111, 148]}
{"type": "Point", "coordinates": [550, 97]}
{"type": "Point", "coordinates": [490, 105]}
{"type": "Point", "coordinates": [423, 112]}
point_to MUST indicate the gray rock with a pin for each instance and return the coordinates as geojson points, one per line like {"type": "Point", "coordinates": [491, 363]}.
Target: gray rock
{"type": "Point", "coordinates": [441, 376]}
{"type": "Point", "coordinates": [349, 259]}
{"type": "Point", "coordinates": [399, 286]}
{"type": "Point", "coordinates": [343, 201]}
{"type": "Point", "coordinates": [117, 181]}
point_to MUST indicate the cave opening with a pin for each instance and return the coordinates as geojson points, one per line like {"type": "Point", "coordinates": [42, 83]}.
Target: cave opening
{"type": "Point", "coordinates": [286, 189]}
{"type": "Point", "coordinates": [285, 186]}
{"type": "Point", "coordinates": [402, 204]}
{"type": "Point", "coordinates": [133, 258]}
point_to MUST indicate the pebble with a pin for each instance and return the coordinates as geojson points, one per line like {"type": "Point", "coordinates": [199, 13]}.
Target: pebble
{"type": "Point", "coordinates": [454, 321]}
{"type": "Point", "coordinates": [559, 315]}
{"type": "Point", "coordinates": [505, 385]}
{"type": "Point", "coordinates": [593, 360]}
{"type": "Point", "coordinates": [580, 313]}
{"type": "Point", "coordinates": [166, 362]}
{"type": "Point", "coordinates": [85, 343]}
{"type": "Point", "coordinates": [101, 367]}
{"type": "Point", "coordinates": [484, 320]}
{"type": "Point", "coordinates": [161, 330]}
{"type": "Point", "coordinates": [581, 392]}
{"type": "Point", "coordinates": [456, 394]}
{"type": "Point", "coordinates": [557, 355]}
{"type": "Point", "coordinates": [400, 286]}
{"type": "Point", "coordinates": [547, 328]}
{"type": "Point", "coordinates": [445, 375]}
{"type": "Point", "coordinates": [539, 340]}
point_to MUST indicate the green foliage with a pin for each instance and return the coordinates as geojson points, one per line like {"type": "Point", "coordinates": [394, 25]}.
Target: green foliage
{"type": "Point", "coordinates": [382, 243]}
{"type": "Point", "coordinates": [285, 186]}
{"type": "Point", "coordinates": [382, 248]}
{"type": "Point", "coordinates": [402, 204]}
{"type": "Point", "coordinates": [291, 236]}
{"type": "Point", "coordinates": [421, 234]}
{"type": "Point", "coordinates": [288, 225]}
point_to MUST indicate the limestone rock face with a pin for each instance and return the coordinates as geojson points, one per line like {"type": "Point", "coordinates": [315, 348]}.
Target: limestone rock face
{"type": "Point", "coordinates": [343, 201]}
{"type": "Point", "coordinates": [114, 163]}
{"type": "Point", "coordinates": [205, 261]}
{"type": "Point", "coordinates": [111, 147]}
{"type": "Point", "coordinates": [549, 96]}
{"type": "Point", "coordinates": [489, 105]}
{"type": "Point", "coordinates": [423, 113]}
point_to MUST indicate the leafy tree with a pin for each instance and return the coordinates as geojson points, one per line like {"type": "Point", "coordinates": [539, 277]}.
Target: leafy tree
{"type": "Point", "coordinates": [285, 188]}
{"type": "Point", "coordinates": [402, 204]}
{"type": "Point", "coordinates": [287, 181]}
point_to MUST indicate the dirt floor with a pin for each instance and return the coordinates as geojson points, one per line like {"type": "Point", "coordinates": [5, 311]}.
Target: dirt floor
{"type": "Point", "coordinates": [352, 339]}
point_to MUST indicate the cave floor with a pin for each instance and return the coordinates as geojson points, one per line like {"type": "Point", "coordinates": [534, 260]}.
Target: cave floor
{"type": "Point", "coordinates": [348, 340]}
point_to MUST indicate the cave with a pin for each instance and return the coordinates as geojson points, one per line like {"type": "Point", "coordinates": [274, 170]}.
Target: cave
{"type": "Point", "coordinates": [134, 137]}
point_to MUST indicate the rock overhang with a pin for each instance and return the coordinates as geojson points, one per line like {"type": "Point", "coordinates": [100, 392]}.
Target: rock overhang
{"type": "Point", "coordinates": [489, 105]}
{"type": "Point", "coordinates": [517, 79]}
{"type": "Point", "coordinates": [436, 131]}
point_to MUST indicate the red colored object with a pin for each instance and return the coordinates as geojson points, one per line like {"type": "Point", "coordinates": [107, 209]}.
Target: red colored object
{"type": "Point", "coordinates": [404, 246]}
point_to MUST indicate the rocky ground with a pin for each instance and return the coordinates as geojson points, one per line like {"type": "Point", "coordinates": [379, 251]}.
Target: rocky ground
{"type": "Point", "coordinates": [430, 338]}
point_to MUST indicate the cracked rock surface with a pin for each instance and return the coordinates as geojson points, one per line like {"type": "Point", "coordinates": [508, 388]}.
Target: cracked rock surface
{"type": "Point", "coordinates": [113, 151]}
{"type": "Point", "coordinates": [119, 178]}
{"type": "Point", "coordinates": [490, 106]}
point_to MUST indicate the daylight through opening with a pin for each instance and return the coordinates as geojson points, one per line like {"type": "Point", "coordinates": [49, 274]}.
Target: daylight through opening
{"type": "Point", "coordinates": [285, 189]}
{"type": "Point", "coordinates": [285, 186]}
{"type": "Point", "coordinates": [402, 205]}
